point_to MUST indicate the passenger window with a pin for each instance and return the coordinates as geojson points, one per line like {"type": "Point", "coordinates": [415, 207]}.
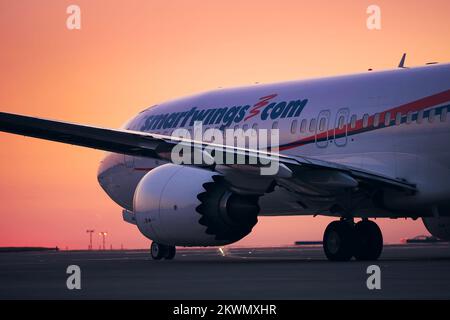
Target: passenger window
{"type": "Point", "coordinates": [245, 127]}
{"type": "Point", "coordinates": [303, 126]}
{"type": "Point", "coordinates": [444, 115]}
{"type": "Point", "coordinates": [236, 127]}
{"type": "Point", "coordinates": [353, 121]}
{"type": "Point", "coordinates": [409, 117]}
{"type": "Point", "coordinates": [293, 126]}
{"type": "Point", "coordinates": [365, 120]}
{"type": "Point", "coordinates": [420, 117]}
{"type": "Point", "coordinates": [275, 125]}
{"type": "Point", "coordinates": [387, 118]}
{"type": "Point", "coordinates": [376, 120]}
{"type": "Point", "coordinates": [431, 116]}
{"type": "Point", "coordinates": [398, 119]}
{"type": "Point", "coordinates": [312, 125]}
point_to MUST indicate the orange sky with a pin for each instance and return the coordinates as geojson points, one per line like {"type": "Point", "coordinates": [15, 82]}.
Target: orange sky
{"type": "Point", "coordinates": [132, 54]}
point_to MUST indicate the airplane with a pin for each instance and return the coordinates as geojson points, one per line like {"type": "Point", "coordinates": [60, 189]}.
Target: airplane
{"type": "Point", "coordinates": [354, 147]}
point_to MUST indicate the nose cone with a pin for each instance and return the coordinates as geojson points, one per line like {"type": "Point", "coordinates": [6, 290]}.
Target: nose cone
{"type": "Point", "coordinates": [112, 176]}
{"type": "Point", "coordinates": [108, 163]}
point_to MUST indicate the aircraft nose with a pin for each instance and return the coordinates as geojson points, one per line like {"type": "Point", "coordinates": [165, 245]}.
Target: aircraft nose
{"type": "Point", "coordinates": [115, 181]}
{"type": "Point", "coordinates": [106, 165]}
{"type": "Point", "coordinates": [109, 170]}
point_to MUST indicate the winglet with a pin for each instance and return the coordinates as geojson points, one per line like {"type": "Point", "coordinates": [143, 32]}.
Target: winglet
{"type": "Point", "coordinates": [402, 61]}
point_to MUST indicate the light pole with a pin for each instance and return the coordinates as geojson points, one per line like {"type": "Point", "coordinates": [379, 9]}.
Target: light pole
{"type": "Point", "coordinates": [90, 238]}
{"type": "Point", "coordinates": [103, 234]}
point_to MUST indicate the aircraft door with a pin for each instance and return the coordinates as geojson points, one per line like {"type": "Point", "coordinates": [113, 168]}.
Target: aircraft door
{"type": "Point", "coordinates": [341, 127]}
{"type": "Point", "coordinates": [323, 121]}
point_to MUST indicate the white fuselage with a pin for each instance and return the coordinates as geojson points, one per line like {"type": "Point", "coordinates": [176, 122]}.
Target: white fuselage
{"type": "Point", "coordinates": [393, 123]}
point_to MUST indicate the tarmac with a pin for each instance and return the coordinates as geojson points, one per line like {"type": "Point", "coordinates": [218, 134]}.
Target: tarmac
{"type": "Point", "coordinates": [420, 271]}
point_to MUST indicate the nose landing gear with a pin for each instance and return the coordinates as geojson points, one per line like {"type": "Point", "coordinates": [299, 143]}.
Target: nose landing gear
{"type": "Point", "coordinates": [159, 251]}
{"type": "Point", "coordinates": [343, 240]}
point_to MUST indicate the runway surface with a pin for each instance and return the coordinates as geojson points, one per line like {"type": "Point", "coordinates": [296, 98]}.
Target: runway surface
{"type": "Point", "coordinates": [407, 272]}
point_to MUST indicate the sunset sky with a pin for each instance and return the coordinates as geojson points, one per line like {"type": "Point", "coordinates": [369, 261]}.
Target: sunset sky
{"type": "Point", "coordinates": [136, 53]}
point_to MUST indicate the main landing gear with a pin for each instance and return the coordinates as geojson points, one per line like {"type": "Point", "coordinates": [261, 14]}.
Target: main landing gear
{"type": "Point", "coordinates": [159, 251]}
{"type": "Point", "coordinates": [344, 239]}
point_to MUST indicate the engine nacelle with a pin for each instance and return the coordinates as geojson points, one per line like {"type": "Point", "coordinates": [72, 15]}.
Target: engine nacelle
{"type": "Point", "coordinates": [438, 227]}
{"type": "Point", "coordinates": [188, 206]}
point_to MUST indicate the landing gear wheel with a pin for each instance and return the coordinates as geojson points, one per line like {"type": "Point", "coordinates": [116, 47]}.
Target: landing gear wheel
{"type": "Point", "coordinates": [171, 251]}
{"type": "Point", "coordinates": [338, 241]}
{"type": "Point", "coordinates": [158, 251]}
{"type": "Point", "coordinates": [369, 241]}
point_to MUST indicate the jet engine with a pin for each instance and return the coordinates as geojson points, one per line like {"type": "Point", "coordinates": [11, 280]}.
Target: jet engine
{"type": "Point", "coordinates": [438, 227]}
{"type": "Point", "coordinates": [188, 206]}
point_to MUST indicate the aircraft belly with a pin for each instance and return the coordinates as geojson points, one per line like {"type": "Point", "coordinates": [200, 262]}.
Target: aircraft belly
{"type": "Point", "coordinates": [281, 202]}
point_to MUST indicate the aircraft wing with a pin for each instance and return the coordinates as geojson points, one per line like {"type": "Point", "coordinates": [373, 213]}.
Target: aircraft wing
{"type": "Point", "coordinates": [293, 170]}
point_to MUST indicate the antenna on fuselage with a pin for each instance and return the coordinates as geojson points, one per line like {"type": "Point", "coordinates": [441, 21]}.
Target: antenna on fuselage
{"type": "Point", "coordinates": [402, 62]}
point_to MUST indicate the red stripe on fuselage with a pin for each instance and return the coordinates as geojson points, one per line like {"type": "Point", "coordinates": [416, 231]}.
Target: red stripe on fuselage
{"type": "Point", "coordinates": [413, 106]}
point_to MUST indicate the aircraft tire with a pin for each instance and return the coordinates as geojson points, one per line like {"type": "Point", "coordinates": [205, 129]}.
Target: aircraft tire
{"type": "Point", "coordinates": [369, 241]}
{"type": "Point", "coordinates": [171, 251]}
{"type": "Point", "coordinates": [158, 251]}
{"type": "Point", "coordinates": [339, 240]}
